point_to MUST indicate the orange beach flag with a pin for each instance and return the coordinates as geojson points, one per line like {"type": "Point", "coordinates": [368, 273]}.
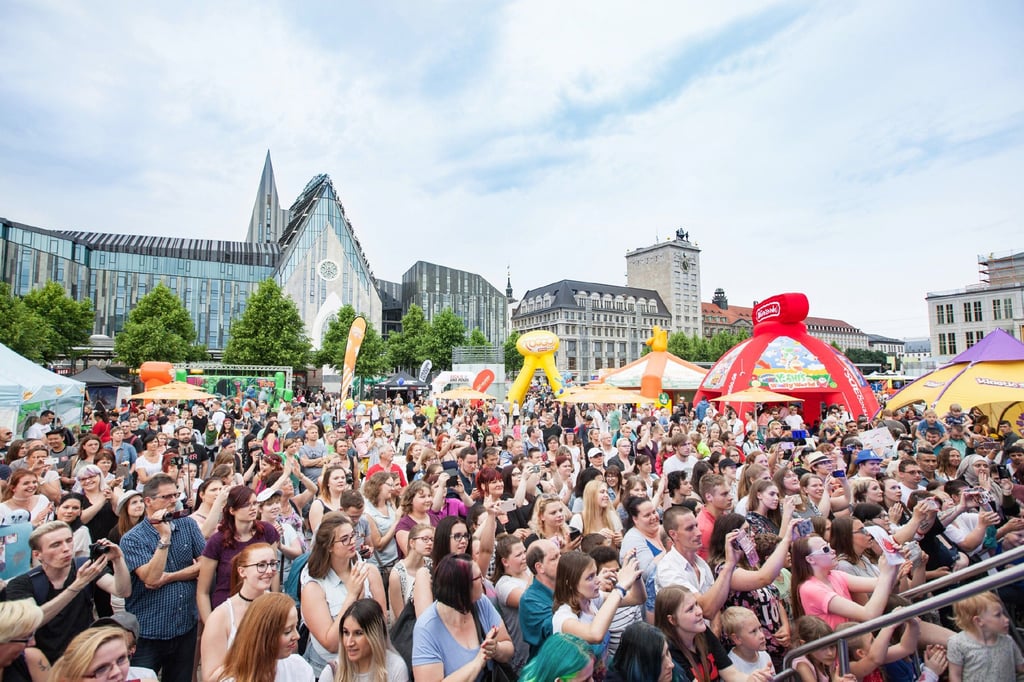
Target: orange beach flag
{"type": "Point", "coordinates": [355, 340]}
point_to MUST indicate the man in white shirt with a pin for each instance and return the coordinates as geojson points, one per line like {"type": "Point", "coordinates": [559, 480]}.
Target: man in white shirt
{"type": "Point", "coordinates": [683, 459]}
{"type": "Point", "coordinates": [682, 565]}
{"type": "Point", "coordinates": [41, 427]}
{"type": "Point", "coordinates": [795, 421]}
{"type": "Point", "coordinates": [909, 474]}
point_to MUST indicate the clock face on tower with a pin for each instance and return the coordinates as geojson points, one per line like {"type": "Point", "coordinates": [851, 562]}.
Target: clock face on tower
{"type": "Point", "coordinates": [328, 270]}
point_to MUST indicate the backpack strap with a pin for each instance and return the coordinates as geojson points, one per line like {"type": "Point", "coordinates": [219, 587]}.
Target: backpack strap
{"type": "Point", "coordinates": [41, 584]}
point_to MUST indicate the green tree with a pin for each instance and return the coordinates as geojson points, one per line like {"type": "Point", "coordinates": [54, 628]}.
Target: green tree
{"type": "Point", "coordinates": [269, 332]}
{"type": "Point", "coordinates": [477, 338]}
{"type": "Point", "coordinates": [513, 359]}
{"type": "Point", "coordinates": [407, 348]}
{"type": "Point", "coordinates": [372, 358]}
{"type": "Point", "coordinates": [21, 329]}
{"type": "Point", "coordinates": [159, 328]}
{"type": "Point", "coordinates": [69, 321]}
{"type": "Point", "coordinates": [679, 345]}
{"type": "Point", "coordinates": [446, 332]}
{"type": "Point", "coordinates": [864, 356]}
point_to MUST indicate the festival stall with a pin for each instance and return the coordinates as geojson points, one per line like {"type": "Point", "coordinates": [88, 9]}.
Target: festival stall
{"type": "Point", "coordinates": [989, 375]}
{"type": "Point", "coordinates": [781, 356]}
{"type": "Point", "coordinates": [400, 384]}
{"type": "Point", "coordinates": [103, 388]}
{"type": "Point", "coordinates": [679, 378]}
{"type": "Point", "coordinates": [27, 389]}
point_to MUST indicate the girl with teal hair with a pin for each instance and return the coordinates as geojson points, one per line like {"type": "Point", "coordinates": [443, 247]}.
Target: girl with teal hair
{"type": "Point", "coordinates": [562, 657]}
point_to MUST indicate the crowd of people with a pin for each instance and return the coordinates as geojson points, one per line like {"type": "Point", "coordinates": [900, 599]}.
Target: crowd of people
{"type": "Point", "coordinates": [232, 540]}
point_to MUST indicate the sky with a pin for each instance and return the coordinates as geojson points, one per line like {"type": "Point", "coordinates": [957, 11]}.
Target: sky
{"type": "Point", "coordinates": [862, 153]}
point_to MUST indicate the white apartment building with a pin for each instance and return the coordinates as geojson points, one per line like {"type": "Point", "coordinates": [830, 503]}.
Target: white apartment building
{"type": "Point", "coordinates": [600, 326]}
{"type": "Point", "coordinates": [959, 318]}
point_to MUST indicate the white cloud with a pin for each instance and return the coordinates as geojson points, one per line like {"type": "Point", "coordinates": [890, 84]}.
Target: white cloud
{"type": "Point", "coordinates": [804, 146]}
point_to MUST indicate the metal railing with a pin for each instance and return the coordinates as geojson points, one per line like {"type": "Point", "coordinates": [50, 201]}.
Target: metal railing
{"type": "Point", "coordinates": [967, 572]}
{"type": "Point", "coordinates": [991, 582]}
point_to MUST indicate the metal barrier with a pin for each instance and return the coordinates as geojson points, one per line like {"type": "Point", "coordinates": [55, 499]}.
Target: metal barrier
{"type": "Point", "coordinates": [967, 572]}
{"type": "Point", "coordinates": [991, 582]}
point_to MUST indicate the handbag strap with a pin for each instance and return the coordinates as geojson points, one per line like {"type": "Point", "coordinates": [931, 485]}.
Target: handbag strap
{"type": "Point", "coordinates": [489, 666]}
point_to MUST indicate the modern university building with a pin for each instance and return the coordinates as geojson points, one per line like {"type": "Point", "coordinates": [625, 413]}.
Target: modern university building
{"type": "Point", "coordinates": [310, 249]}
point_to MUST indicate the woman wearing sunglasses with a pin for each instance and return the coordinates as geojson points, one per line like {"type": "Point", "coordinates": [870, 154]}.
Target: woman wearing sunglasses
{"type": "Point", "coordinates": [819, 589]}
{"type": "Point", "coordinates": [253, 573]}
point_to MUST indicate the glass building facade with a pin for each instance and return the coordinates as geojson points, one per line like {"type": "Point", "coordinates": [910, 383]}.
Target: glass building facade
{"type": "Point", "coordinates": [317, 260]}
{"type": "Point", "coordinates": [435, 287]}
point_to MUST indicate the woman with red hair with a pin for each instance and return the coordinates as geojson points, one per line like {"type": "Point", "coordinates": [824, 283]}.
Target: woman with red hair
{"type": "Point", "coordinates": [238, 529]}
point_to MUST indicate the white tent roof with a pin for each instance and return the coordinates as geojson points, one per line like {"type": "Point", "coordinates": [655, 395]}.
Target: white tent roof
{"type": "Point", "coordinates": [23, 381]}
{"type": "Point", "coordinates": [679, 375]}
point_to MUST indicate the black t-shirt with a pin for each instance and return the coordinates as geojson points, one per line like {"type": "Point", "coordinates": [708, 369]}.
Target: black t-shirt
{"type": "Point", "coordinates": [548, 431]}
{"type": "Point", "coordinates": [200, 423]}
{"type": "Point", "coordinates": [190, 450]}
{"type": "Point", "coordinates": [53, 637]}
{"type": "Point", "coordinates": [18, 670]}
{"type": "Point", "coordinates": [717, 659]}
{"type": "Point", "coordinates": [420, 420]}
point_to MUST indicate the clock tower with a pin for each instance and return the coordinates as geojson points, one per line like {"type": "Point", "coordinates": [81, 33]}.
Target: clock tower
{"type": "Point", "coordinates": [672, 268]}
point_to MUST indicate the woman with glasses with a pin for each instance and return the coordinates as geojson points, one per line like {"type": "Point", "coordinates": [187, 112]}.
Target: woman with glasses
{"type": "Point", "coordinates": [332, 580]}
{"type": "Point", "coordinates": [265, 647]}
{"type": "Point", "coordinates": [98, 510]}
{"type": "Point", "coordinates": [255, 569]}
{"type": "Point", "coordinates": [450, 537]}
{"type": "Point", "coordinates": [420, 504]}
{"type": "Point", "coordinates": [19, 659]}
{"type": "Point", "coordinates": [855, 547]}
{"type": "Point", "coordinates": [820, 590]}
{"type": "Point", "coordinates": [403, 577]}
{"type": "Point", "coordinates": [239, 528]}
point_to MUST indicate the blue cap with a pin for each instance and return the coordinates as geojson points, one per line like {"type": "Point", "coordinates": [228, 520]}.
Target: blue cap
{"type": "Point", "coordinates": [867, 456]}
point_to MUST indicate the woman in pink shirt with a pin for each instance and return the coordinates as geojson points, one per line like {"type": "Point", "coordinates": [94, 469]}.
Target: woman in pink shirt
{"type": "Point", "coordinates": [820, 590]}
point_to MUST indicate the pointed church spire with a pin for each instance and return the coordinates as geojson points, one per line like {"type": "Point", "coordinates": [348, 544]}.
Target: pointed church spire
{"type": "Point", "coordinates": [508, 284]}
{"type": "Point", "coordinates": [268, 219]}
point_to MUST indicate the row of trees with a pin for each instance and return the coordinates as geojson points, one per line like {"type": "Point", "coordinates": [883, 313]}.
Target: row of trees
{"type": "Point", "coordinates": [702, 349]}
{"type": "Point", "coordinates": [47, 324]}
{"type": "Point", "coordinates": [419, 340]}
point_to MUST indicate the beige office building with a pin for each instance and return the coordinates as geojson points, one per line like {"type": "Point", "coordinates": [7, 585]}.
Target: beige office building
{"type": "Point", "coordinates": [672, 268]}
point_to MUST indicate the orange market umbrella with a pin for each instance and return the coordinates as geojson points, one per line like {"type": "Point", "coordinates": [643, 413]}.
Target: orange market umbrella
{"type": "Point", "coordinates": [177, 390]}
{"type": "Point", "coordinates": [603, 394]}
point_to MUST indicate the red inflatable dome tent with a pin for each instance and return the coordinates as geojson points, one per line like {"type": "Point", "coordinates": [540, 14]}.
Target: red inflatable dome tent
{"type": "Point", "coordinates": [782, 357]}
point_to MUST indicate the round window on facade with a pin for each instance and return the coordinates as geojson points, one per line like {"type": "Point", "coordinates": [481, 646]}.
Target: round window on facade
{"type": "Point", "coordinates": [328, 270]}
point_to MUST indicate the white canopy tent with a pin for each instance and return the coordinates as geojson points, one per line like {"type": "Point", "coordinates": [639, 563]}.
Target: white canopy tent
{"type": "Point", "coordinates": [27, 389]}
